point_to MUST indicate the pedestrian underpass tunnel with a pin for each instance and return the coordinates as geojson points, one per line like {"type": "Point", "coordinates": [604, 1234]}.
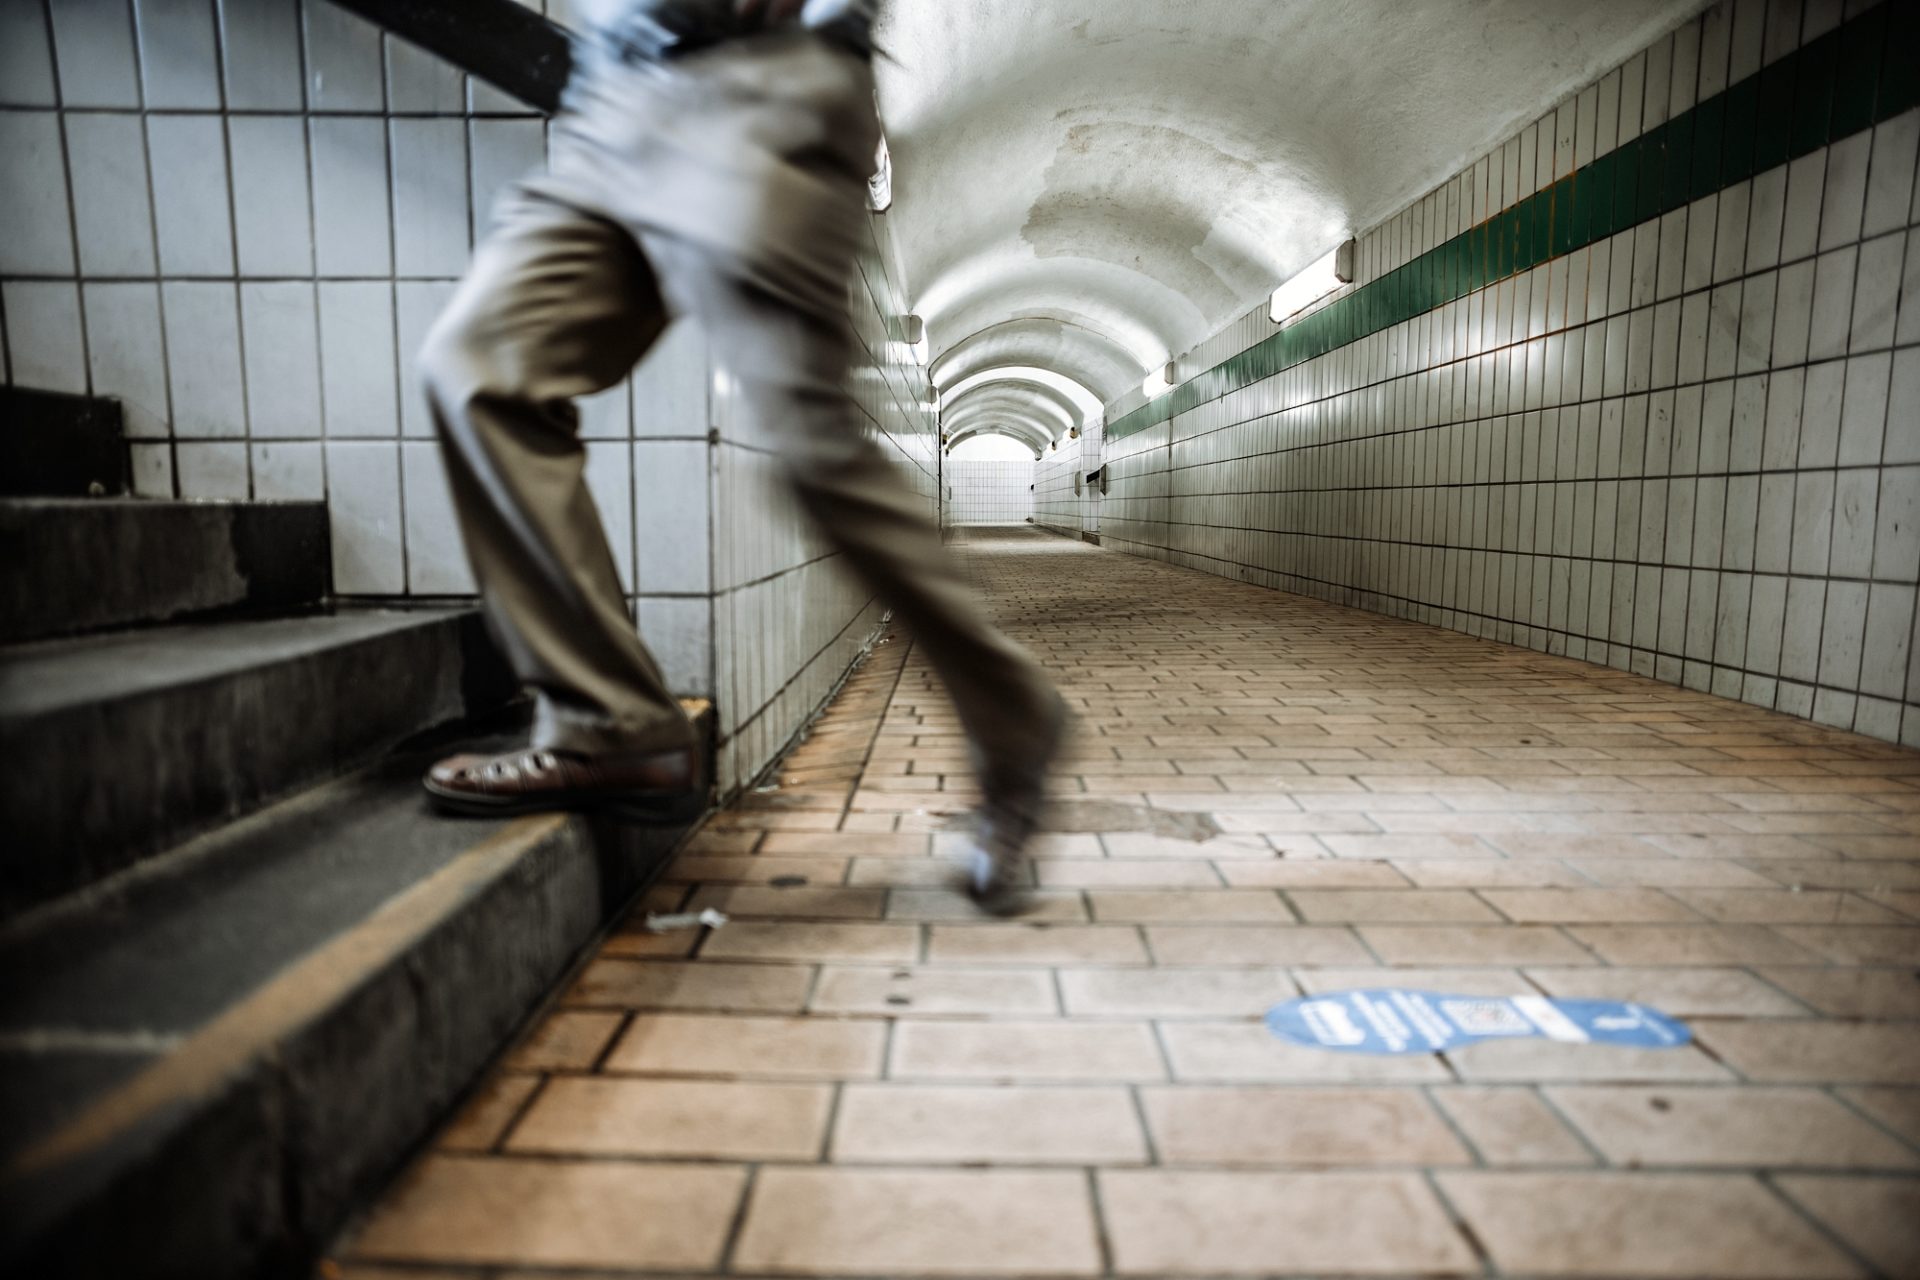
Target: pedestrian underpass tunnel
{"type": "Point", "coordinates": [1458, 461]}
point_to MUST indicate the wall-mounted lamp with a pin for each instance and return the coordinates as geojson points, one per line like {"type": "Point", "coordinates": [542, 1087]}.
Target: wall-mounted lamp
{"type": "Point", "coordinates": [1313, 283]}
{"type": "Point", "coordinates": [1161, 379]}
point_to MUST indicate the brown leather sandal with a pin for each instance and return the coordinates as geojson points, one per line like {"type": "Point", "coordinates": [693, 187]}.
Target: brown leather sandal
{"type": "Point", "coordinates": [660, 786]}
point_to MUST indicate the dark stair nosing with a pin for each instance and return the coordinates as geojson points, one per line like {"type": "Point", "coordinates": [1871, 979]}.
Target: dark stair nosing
{"type": "Point", "coordinates": [123, 744]}
{"type": "Point", "coordinates": [70, 565]}
{"type": "Point", "coordinates": [282, 1013]}
{"type": "Point", "coordinates": [508, 45]}
{"type": "Point", "coordinates": [57, 445]}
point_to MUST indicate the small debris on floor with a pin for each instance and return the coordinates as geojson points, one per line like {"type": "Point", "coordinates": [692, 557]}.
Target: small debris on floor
{"type": "Point", "coordinates": [685, 920]}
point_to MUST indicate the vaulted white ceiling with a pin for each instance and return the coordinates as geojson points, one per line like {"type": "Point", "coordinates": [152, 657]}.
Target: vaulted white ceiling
{"type": "Point", "coordinates": [1087, 187]}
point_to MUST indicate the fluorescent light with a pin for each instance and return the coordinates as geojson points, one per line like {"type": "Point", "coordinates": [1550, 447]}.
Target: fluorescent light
{"type": "Point", "coordinates": [1310, 285]}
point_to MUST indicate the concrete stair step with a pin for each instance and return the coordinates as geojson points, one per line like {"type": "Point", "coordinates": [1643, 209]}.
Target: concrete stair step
{"type": "Point", "coordinates": [71, 565]}
{"type": "Point", "coordinates": [122, 744]}
{"type": "Point", "coordinates": [220, 1053]}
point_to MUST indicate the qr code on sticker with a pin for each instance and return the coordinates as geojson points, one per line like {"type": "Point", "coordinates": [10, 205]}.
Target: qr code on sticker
{"type": "Point", "coordinates": [1486, 1017]}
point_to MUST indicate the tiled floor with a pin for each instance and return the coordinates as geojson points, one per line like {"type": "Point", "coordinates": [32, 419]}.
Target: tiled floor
{"type": "Point", "coordinates": [1268, 795]}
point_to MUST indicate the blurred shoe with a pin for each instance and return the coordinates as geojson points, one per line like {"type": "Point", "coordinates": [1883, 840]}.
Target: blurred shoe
{"type": "Point", "coordinates": [658, 786]}
{"type": "Point", "coordinates": [999, 876]}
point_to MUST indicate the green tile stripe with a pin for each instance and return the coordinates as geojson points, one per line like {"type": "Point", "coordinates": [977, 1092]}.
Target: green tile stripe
{"type": "Point", "coordinates": [1862, 72]}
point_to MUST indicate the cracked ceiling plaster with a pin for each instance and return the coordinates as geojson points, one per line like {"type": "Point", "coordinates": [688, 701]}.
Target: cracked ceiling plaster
{"type": "Point", "coordinates": [1091, 186]}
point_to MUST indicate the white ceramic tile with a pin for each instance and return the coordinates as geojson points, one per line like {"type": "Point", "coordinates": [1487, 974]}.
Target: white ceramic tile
{"type": "Point", "coordinates": [272, 220]}
{"type": "Point", "coordinates": [1902, 441]}
{"type": "Point", "coordinates": [1876, 293]}
{"type": "Point", "coordinates": [609, 475]}
{"type": "Point", "coordinates": [1890, 173]}
{"type": "Point", "coordinates": [190, 198]}
{"type": "Point", "coordinates": [33, 199]}
{"type": "Point", "coordinates": [417, 304]}
{"type": "Point", "coordinates": [282, 336]}
{"type": "Point", "coordinates": [1767, 213]}
{"type": "Point", "coordinates": [261, 43]}
{"type": "Point", "coordinates": [357, 359]}
{"type": "Point", "coordinates": [94, 50]}
{"type": "Point", "coordinates": [26, 55]}
{"type": "Point", "coordinates": [125, 354]}
{"type": "Point", "coordinates": [436, 557]}
{"type": "Point", "coordinates": [430, 196]}
{"type": "Point", "coordinates": [670, 385]}
{"type": "Point", "coordinates": [1907, 330]}
{"type": "Point", "coordinates": [352, 224]}
{"type": "Point", "coordinates": [420, 83]}
{"type": "Point", "coordinates": [344, 65]}
{"type": "Point", "coordinates": [152, 470]}
{"type": "Point", "coordinates": [503, 152]}
{"type": "Point", "coordinates": [179, 58]}
{"type": "Point", "coordinates": [1896, 543]}
{"type": "Point", "coordinates": [671, 516]}
{"type": "Point", "coordinates": [1844, 203]}
{"type": "Point", "coordinates": [363, 501]}
{"type": "Point", "coordinates": [203, 358]}
{"type": "Point", "coordinates": [45, 342]}
{"type": "Point", "coordinates": [113, 217]}
{"type": "Point", "coordinates": [1800, 223]}
{"type": "Point", "coordinates": [1863, 415]}
{"type": "Point", "coordinates": [1886, 645]}
{"type": "Point", "coordinates": [1840, 637]}
{"type": "Point", "coordinates": [209, 470]}
{"type": "Point", "coordinates": [679, 633]}
{"type": "Point", "coordinates": [288, 470]}
{"type": "Point", "coordinates": [1833, 281]}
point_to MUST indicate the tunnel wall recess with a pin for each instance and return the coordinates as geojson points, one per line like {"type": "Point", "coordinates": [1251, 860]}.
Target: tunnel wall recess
{"type": "Point", "coordinates": [1640, 386]}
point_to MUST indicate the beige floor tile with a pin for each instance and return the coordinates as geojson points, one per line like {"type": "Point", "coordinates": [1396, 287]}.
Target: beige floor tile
{"type": "Point", "coordinates": [1025, 1051]}
{"type": "Point", "coordinates": [1237, 1052]}
{"type": "Point", "coordinates": [484, 1117]}
{"type": "Point", "coordinates": [1669, 873]}
{"type": "Point", "coordinates": [935, 990]}
{"type": "Point", "coordinates": [1687, 944]}
{"type": "Point", "coordinates": [1512, 944]}
{"type": "Point", "coordinates": [947, 905]}
{"type": "Point", "coordinates": [1548, 1060]}
{"type": "Point", "coordinates": [817, 902]}
{"type": "Point", "coordinates": [1624, 1224]}
{"type": "Point", "coordinates": [1255, 945]}
{"type": "Point", "coordinates": [1511, 1126]}
{"type": "Point", "coordinates": [892, 1222]}
{"type": "Point", "coordinates": [1461, 982]}
{"type": "Point", "coordinates": [1878, 1217]}
{"type": "Point", "coordinates": [1781, 906]}
{"type": "Point", "coordinates": [847, 844]}
{"type": "Point", "coordinates": [1738, 1126]}
{"type": "Point", "coordinates": [1852, 993]}
{"type": "Point", "coordinates": [949, 1124]}
{"type": "Point", "coordinates": [1131, 873]}
{"type": "Point", "coordinates": [1321, 873]}
{"type": "Point", "coordinates": [1130, 844]}
{"type": "Point", "coordinates": [588, 1115]}
{"type": "Point", "coordinates": [1857, 944]}
{"type": "Point", "coordinates": [1263, 1125]}
{"type": "Point", "coordinates": [687, 869]}
{"type": "Point", "coordinates": [1031, 944]}
{"type": "Point", "coordinates": [1412, 906]}
{"type": "Point", "coordinates": [1204, 1223]}
{"type": "Point", "coordinates": [1897, 1109]}
{"type": "Point", "coordinates": [749, 1047]}
{"type": "Point", "coordinates": [1817, 1052]}
{"type": "Point", "coordinates": [640, 984]}
{"type": "Point", "coordinates": [555, 1213]}
{"type": "Point", "coordinates": [1181, 906]}
{"type": "Point", "coordinates": [905, 873]}
{"type": "Point", "coordinates": [789, 940]}
{"type": "Point", "coordinates": [634, 942]}
{"type": "Point", "coordinates": [1174, 993]}
{"type": "Point", "coordinates": [1578, 906]}
{"type": "Point", "coordinates": [1490, 873]}
{"type": "Point", "coordinates": [570, 1040]}
{"type": "Point", "coordinates": [1683, 993]}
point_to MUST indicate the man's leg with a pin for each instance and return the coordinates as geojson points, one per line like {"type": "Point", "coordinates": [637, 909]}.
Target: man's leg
{"type": "Point", "coordinates": [792, 370]}
{"type": "Point", "coordinates": [558, 304]}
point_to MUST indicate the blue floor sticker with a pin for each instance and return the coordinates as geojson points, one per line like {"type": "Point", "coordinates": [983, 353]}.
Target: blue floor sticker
{"type": "Point", "coordinates": [1393, 1021]}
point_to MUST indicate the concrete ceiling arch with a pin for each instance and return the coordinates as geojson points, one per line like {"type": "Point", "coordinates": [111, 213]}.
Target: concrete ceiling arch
{"type": "Point", "coordinates": [1015, 416]}
{"type": "Point", "coordinates": [1093, 359]}
{"type": "Point", "coordinates": [973, 433]}
{"type": "Point", "coordinates": [1036, 401]}
{"type": "Point", "coordinates": [1080, 398]}
{"type": "Point", "coordinates": [1092, 187]}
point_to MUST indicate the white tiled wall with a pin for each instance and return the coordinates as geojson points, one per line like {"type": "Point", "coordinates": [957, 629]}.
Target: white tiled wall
{"type": "Point", "coordinates": [990, 492]}
{"type": "Point", "coordinates": [242, 216]}
{"type": "Point", "coordinates": [1064, 500]}
{"type": "Point", "coordinates": [1692, 450]}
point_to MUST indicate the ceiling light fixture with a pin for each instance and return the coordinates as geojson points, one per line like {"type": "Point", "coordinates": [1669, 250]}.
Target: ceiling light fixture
{"type": "Point", "coordinates": [1313, 283]}
{"type": "Point", "coordinates": [1161, 379]}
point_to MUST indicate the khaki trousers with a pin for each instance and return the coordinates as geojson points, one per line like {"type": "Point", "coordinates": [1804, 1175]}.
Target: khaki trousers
{"type": "Point", "coordinates": [587, 265]}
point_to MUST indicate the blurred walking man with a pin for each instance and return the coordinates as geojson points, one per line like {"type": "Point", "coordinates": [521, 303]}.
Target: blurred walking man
{"type": "Point", "coordinates": [710, 160]}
